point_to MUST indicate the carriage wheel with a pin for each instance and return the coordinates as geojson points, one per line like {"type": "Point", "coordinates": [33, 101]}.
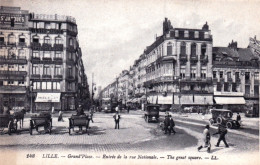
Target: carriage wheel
{"type": "Point", "coordinates": [9, 127]}
{"type": "Point", "coordinates": [229, 125]}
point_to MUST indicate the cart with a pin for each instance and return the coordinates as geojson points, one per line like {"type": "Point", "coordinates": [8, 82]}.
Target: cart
{"type": "Point", "coordinates": [7, 121]}
{"type": "Point", "coordinates": [78, 121]}
{"type": "Point", "coordinates": [41, 120]}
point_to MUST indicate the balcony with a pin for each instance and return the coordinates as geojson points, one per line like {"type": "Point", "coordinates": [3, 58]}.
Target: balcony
{"type": "Point", "coordinates": [215, 80]}
{"type": "Point", "coordinates": [58, 47]}
{"type": "Point", "coordinates": [2, 43]}
{"type": "Point", "coordinates": [11, 43]}
{"type": "Point", "coordinates": [72, 33]}
{"type": "Point", "coordinates": [57, 60]}
{"type": "Point", "coordinates": [221, 80]}
{"type": "Point", "coordinates": [238, 80]}
{"type": "Point", "coordinates": [58, 76]}
{"type": "Point", "coordinates": [247, 81]}
{"type": "Point", "coordinates": [46, 76]}
{"type": "Point", "coordinates": [21, 44]}
{"type": "Point", "coordinates": [70, 78]}
{"type": "Point", "coordinates": [12, 77]}
{"type": "Point", "coordinates": [70, 48]}
{"type": "Point", "coordinates": [194, 59]}
{"type": "Point", "coordinates": [13, 60]}
{"type": "Point", "coordinates": [230, 80]}
{"type": "Point", "coordinates": [20, 73]}
{"type": "Point", "coordinates": [256, 82]}
{"type": "Point", "coordinates": [195, 92]}
{"type": "Point", "coordinates": [35, 46]}
{"type": "Point", "coordinates": [35, 76]}
{"type": "Point", "coordinates": [44, 31]}
{"type": "Point", "coordinates": [204, 60]}
{"type": "Point", "coordinates": [46, 47]}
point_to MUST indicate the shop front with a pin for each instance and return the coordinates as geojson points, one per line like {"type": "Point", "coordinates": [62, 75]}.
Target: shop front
{"type": "Point", "coordinates": [47, 101]}
{"type": "Point", "coordinates": [234, 101]}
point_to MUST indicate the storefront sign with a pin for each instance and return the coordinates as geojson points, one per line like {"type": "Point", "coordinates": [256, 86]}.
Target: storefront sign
{"type": "Point", "coordinates": [7, 18]}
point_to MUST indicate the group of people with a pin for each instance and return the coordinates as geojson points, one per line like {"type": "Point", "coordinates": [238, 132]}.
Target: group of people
{"type": "Point", "coordinates": [169, 124]}
{"type": "Point", "coordinates": [222, 131]}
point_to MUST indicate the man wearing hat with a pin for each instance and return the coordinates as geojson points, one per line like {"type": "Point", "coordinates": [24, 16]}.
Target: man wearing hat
{"type": "Point", "coordinates": [206, 139]}
{"type": "Point", "coordinates": [222, 131]}
{"type": "Point", "coordinates": [172, 124]}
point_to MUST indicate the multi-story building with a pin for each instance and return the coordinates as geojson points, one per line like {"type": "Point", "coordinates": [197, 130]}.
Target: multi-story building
{"type": "Point", "coordinates": [236, 77]}
{"type": "Point", "coordinates": [179, 67]}
{"type": "Point", "coordinates": [123, 87]}
{"type": "Point", "coordinates": [48, 57]}
{"type": "Point", "coordinates": [14, 56]}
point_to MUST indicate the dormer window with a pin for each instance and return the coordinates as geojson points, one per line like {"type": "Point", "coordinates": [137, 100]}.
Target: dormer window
{"type": "Point", "coordinates": [206, 35]}
{"type": "Point", "coordinates": [176, 33]}
{"type": "Point", "coordinates": [22, 39]}
{"type": "Point", "coordinates": [186, 34]}
{"type": "Point", "coordinates": [196, 34]}
{"type": "Point", "coordinates": [35, 39]}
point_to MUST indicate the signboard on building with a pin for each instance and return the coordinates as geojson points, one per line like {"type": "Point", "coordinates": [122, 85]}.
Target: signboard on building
{"type": "Point", "coordinates": [6, 18]}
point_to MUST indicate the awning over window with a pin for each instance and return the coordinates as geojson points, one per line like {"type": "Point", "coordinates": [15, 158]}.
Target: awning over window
{"type": "Point", "coordinates": [165, 99]}
{"type": "Point", "coordinates": [229, 100]}
{"type": "Point", "coordinates": [48, 97]}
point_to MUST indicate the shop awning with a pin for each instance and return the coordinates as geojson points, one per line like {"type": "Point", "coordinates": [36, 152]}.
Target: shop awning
{"type": "Point", "coordinates": [229, 100]}
{"type": "Point", "coordinates": [165, 99]}
{"type": "Point", "coordinates": [48, 97]}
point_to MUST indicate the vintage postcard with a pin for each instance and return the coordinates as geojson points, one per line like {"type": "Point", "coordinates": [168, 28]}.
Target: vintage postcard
{"type": "Point", "coordinates": [129, 82]}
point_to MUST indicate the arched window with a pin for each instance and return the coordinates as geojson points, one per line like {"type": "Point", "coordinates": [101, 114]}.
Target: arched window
{"type": "Point", "coordinates": [21, 39]}
{"type": "Point", "coordinates": [203, 49]}
{"type": "Point", "coordinates": [193, 49]}
{"type": "Point", "coordinates": [11, 39]}
{"type": "Point", "coordinates": [35, 39]}
{"type": "Point", "coordinates": [169, 49]}
{"type": "Point", "coordinates": [183, 48]}
{"type": "Point", "coordinates": [58, 40]}
{"type": "Point", "coordinates": [71, 42]}
{"type": "Point", "coordinates": [47, 40]}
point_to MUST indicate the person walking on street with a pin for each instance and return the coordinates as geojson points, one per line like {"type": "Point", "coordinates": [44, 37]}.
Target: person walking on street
{"type": "Point", "coordinates": [166, 124]}
{"type": "Point", "coordinates": [238, 120]}
{"type": "Point", "coordinates": [117, 119]}
{"type": "Point", "coordinates": [128, 108]}
{"type": "Point", "coordinates": [91, 114]}
{"type": "Point", "coordinates": [206, 139]}
{"type": "Point", "coordinates": [222, 131]}
{"type": "Point", "coordinates": [60, 118]}
{"type": "Point", "coordinates": [172, 124]}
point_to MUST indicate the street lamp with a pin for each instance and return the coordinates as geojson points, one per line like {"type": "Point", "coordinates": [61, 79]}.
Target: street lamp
{"type": "Point", "coordinates": [179, 94]}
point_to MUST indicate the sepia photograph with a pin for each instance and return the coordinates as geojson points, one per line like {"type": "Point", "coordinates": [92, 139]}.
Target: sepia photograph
{"type": "Point", "coordinates": [129, 82]}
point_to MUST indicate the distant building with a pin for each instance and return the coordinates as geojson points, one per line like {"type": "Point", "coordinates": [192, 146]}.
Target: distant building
{"type": "Point", "coordinates": [236, 77]}
{"type": "Point", "coordinates": [42, 61]}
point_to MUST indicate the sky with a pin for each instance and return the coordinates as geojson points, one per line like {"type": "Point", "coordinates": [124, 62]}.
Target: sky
{"type": "Point", "coordinates": [114, 33]}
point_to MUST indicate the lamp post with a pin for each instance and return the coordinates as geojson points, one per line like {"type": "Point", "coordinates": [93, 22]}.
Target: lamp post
{"type": "Point", "coordinates": [179, 94]}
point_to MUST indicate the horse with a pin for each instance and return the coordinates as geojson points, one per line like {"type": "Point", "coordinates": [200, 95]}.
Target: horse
{"type": "Point", "coordinates": [19, 116]}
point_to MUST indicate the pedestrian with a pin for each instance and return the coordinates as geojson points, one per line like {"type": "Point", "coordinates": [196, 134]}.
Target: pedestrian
{"type": "Point", "coordinates": [91, 114]}
{"type": "Point", "coordinates": [117, 109]}
{"type": "Point", "coordinates": [80, 111]}
{"type": "Point", "coordinates": [166, 124]}
{"type": "Point", "coordinates": [60, 118]}
{"type": "Point", "coordinates": [117, 119]}
{"type": "Point", "coordinates": [222, 131]}
{"type": "Point", "coordinates": [128, 108]}
{"type": "Point", "coordinates": [206, 139]}
{"type": "Point", "coordinates": [172, 124]}
{"type": "Point", "coordinates": [52, 109]}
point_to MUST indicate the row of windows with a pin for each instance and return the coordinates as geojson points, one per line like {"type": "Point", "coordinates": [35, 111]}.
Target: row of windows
{"type": "Point", "coordinates": [183, 49]}
{"type": "Point", "coordinates": [47, 40]}
{"type": "Point", "coordinates": [53, 25]}
{"type": "Point", "coordinates": [11, 82]}
{"type": "Point", "coordinates": [188, 34]}
{"type": "Point", "coordinates": [46, 85]}
{"type": "Point", "coordinates": [12, 39]}
{"type": "Point", "coordinates": [237, 75]}
{"type": "Point", "coordinates": [47, 54]}
{"type": "Point", "coordinates": [47, 69]}
{"type": "Point", "coordinates": [13, 52]}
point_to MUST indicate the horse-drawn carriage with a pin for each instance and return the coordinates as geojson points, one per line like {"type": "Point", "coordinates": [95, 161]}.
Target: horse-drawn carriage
{"type": "Point", "coordinates": [8, 121]}
{"type": "Point", "coordinates": [41, 120]}
{"type": "Point", "coordinates": [78, 121]}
